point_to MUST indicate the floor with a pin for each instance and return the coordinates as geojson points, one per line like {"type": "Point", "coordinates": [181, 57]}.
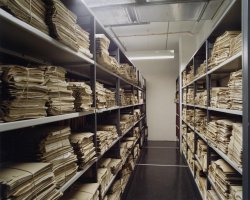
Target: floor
{"type": "Point", "coordinates": [162, 174]}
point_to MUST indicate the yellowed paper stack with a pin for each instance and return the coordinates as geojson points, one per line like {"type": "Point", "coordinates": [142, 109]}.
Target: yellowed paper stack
{"type": "Point", "coordinates": [201, 98]}
{"type": "Point", "coordinates": [201, 70]}
{"type": "Point", "coordinates": [101, 100]}
{"type": "Point", "coordinates": [126, 121]}
{"type": "Point", "coordinates": [190, 140]}
{"type": "Point", "coordinates": [211, 195]}
{"type": "Point", "coordinates": [202, 154]}
{"type": "Point", "coordinates": [200, 179]}
{"type": "Point", "coordinates": [236, 45]}
{"type": "Point", "coordinates": [190, 74]}
{"type": "Point", "coordinates": [110, 97]}
{"type": "Point", "coordinates": [220, 97]}
{"type": "Point", "coordinates": [200, 120]}
{"type": "Point", "coordinates": [190, 96]}
{"type": "Point", "coordinates": [235, 90]}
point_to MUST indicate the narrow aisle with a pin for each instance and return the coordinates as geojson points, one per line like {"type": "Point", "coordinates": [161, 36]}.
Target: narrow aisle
{"type": "Point", "coordinates": [162, 175]}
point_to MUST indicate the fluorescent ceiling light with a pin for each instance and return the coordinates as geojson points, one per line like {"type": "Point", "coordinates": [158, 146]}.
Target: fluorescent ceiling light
{"type": "Point", "coordinates": [151, 55]}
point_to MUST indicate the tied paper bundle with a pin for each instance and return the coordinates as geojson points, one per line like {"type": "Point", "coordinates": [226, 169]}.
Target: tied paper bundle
{"type": "Point", "coordinates": [26, 93]}
{"type": "Point", "coordinates": [87, 191]}
{"type": "Point", "coordinates": [61, 100]}
{"type": "Point", "coordinates": [84, 148]}
{"type": "Point", "coordinates": [126, 121]}
{"type": "Point", "coordinates": [200, 179]}
{"type": "Point", "coordinates": [201, 98]}
{"type": "Point", "coordinates": [106, 135]}
{"type": "Point", "coordinates": [190, 140]}
{"type": "Point", "coordinates": [202, 154]}
{"type": "Point", "coordinates": [82, 94]}
{"type": "Point", "coordinates": [124, 150]}
{"type": "Point", "coordinates": [220, 97]}
{"type": "Point", "coordinates": [101, 101]}
{"type": "Point", "coordinates": [55, 148]}
{"type": "Point", "coordinates": [137, 114]}
{"type": "Point", "coordinates": [224, 132]}
{"type": "Point", "coordinates": [211, 195]}
{"type": "Point", "coordinates": [236, 45]}
{"type": "Point", "coordinates": [235, 146]}
{"type": "Point", "coordinates": [201, 70]}
{"type": "Point", "coordinates": [190, 74]}
{"type": "Point", "coordinates": [62, 23]}
{"type": "Point", "coordinates": [224, 177]}
{"type": "Point", "coordinates": [28, 181]}
{"type": "Point", "coordinates": [235, 90]}
{"type": "Point", "coordinates": [200, 120]}
{"type": "Point", "coordinates": [110, 97]}
{"type": "Point", "coordinates": [221, 49]}
{"type": "Point", "coordinates": [31, 12]}
{"type": "Point", "coordinates": [83, 41]}
{"type": "Point", "coordinates": [190, 96]}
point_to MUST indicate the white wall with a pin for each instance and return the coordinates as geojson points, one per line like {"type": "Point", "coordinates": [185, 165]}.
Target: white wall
{"type": "Point", "coordinates": [160, 76]}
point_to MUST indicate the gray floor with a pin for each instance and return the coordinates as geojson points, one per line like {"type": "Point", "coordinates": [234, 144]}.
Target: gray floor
{"type": "Point", "coordinates": [162, 175]}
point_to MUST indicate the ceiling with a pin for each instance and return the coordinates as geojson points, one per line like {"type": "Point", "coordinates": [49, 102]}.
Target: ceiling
{"type": "Point", "coordinates": [140, 25]}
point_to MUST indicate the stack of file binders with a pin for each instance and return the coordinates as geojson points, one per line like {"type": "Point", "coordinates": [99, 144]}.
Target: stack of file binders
{"type": "Point", "coordinates": [28, 181]}
{"type": "Point", "coordinates": [25, 93]}
{"type": "Point", "coordinates": [84, 147]}
{"type": "Point", "coordinates": [30, 11]}
{"type": "Point", "coordinates": [235, 147]}
{"type": "Point", "coordinates": [55, 148]}
{"type": "Point", "coordinates": [235, 90]}
{"type": "Point", "coordinates": [82, 94]}
{"type": "Point", "coordinates": [62, 23]}
{"type": "Point", "coordinates": [61, 100]}
{"type": "Point", "coordinates": [101, 101]}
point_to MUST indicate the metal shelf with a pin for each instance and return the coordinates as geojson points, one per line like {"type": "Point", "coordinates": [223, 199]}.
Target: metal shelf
{"type": "Point", "coordinates": [234, 112]}
{"type": "Point", "coordinates": [198, 106]}
{"type": "Point", "coordinates": [114, 142]}
{"type": "Point", "coordinates": [201, 136]}
{"type": "Point", "coordinates": [76, 176]}
{"type": "Point", "coordinates": [109, 185]}
{"type": "Point", "coordinates": [225, 157]}
{"type": "Point", "coordinates": [44, 120]}
{"type": "Point", "coordinates": [215, 188]}
{"type": "Point", "coordinates": [107, 109]}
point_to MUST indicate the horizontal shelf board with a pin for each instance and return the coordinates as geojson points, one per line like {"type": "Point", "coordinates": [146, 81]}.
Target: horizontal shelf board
{"type": "Point", "coordinates": [198, 106]}
{"type": "Point", "coordinates": [201, 136]}
{"type": "Point", "coordinates": [42, 47]}
{"type": "Point", "coordinates": [76, 177]}
{"type": "Point", "coordinates": [228, 65]}
{"type": "Point", "coordinates": [215, 188]}
{"type": "Point", "coordinates": [225, 157]}
{"type": "Point", "coordinates": [44, 120]}
{"type": "Point", "coordinates": [202, 77]}
{"type": "Point", "coordinates": [234, 112]}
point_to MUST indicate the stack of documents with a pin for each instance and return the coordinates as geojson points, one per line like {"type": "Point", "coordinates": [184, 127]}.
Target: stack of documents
{"type": "Point", "coordinates": [82, 94]}
{"type": "Point", "coordinates": [200, 120]}
{"type": "Point", "coordinates": [83, 41]}
{"type": "Point", "coordinates": [200, 179]}
{"type": "Point", "coordinates": [235, 147]}
{"type": "Point", "coordinates": [30, 11]}
{"type": "Point", "coordinates": [190, 116]}
{"type": "Point", "coordinates": [61, 100]}
{"type": "Point", "coordinates": [220, 97]}
{"type": "Point", "coordinates": [212, 132]}
{"type": "Point", "coordinates": [184, 113]}
{"type": "Point", "coordinates": [84, 147]}
{"type": "Point", "coordinates": [126, 122]}
{"type": "Point", "coordinates": [25, 93]}
{"type": "Point", "coordinates": [105, 164]}
{"type": "Point", "coordinates": [55, 148]}
{"type": "Point", "coordinates": [184, 96]}
{"type": "Point", "coordinates": [184, 130]}
{"type": "Point", "coordinates": [62, 23]}
{"type": "Point", "coordinates": [236, 192]}
{"type": "Point", "coordinates": [110, 97]}
{"type": "Point", "coordinates": [184, 147]}
{"type": "Point", "coordinates": [123, 101]}
{"type": "Point", "coordinates": [103, 177]}
{"type": "Point", "coordinates": [190, 74]}
{"type": "Point", "coordinates": [87, 191]}
{"type": "Point", "coordinates": [201, 98]}
{"type": "Point", "coordinates": [211, 195]}
{"type": "Point", "coordinates": [115, 191]}
{"type": "Point", "coordinates": [101, 101]}
{"type": "Point", "coordinates": [224, 177]}
{"type": "Point", "coordinates": [137, 114]}
{"type": "Point", "coordinates": [201, 70]}
{"type": "Point", "coordinates": [137, 151]}
{"type": "Point", "coordinates": [131, 99]}
{"type": "Point", "coordinates": [202, 154]}
{"type": "Point", "coordinates": [124, 71]}
{"type": "Point", "coordinates": [190, 96]}
{"type": "Point", "coordinates": [224, 132]}
{"type": "Point", "coordinates": [190, 140]}
{"type": "Point", "coordinates": [236, 45]}
{"type": "Point", "coordinates": [28, 181]}
{"type": "Point", "coordinates": [136, 132]}
{"type": "Point", "coordinates": [115, 165]}
{"type": "Point", "coordinates": [221, 48]}
{"type": "Point", "coordinates": [235, 90]}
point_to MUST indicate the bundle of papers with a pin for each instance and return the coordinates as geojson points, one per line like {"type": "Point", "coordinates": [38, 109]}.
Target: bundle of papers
{"type": "Point", "coordinates": [125, 148]}
{"type": "Point", "coordinates": [55, 148]}
{"type": "Point", "coordinates": [236, 45]}
{"type": "Point", "coordinates": [137, 114]}
{"type": "Point", "coordinates": [224, 132]}
{"type": "Point", "coordinates": [82, 38]}
{"type": "Point", "coordinates": [190, 140]}
{"type": "Point", "coordinates": [126, 121]}
{"type": "Point", "coordinates": [87, 191]}
{"type": "Point", "coordinates": [236, 192]}
{"type": "Point", "coordinates": [200, 120]}
{"type": "Point", "coordinates": [82, 94]}
{"type": "Point", "coordinates": [190, 96]}
{"type": "Point", "coordinates": [103, 176]}
{"type": "Point", "coordinates": [136, 132]}
{"type": "Point", "coordinates": [115, 191]}
{"type": "Point", "coordinates": [201, 98]}
{"type": "Point", "coordinates": [202, 154]}
{"type": "Point", "coordinates": [212, 131]}
{"type": "Point", "coordinates": [184, 147]}
{"type": "Point", "coordinates": [201, 70]}
{"type": "Point", "coordinates": [200, 179]}
{"type": "Point", "coordinates": [25, 93]}
{"type": "Point", "coordinates": [62, 23]}
{"type": "Point", "coordinates": [184, 113]}
{"type": "Point", "coordinates": [224, 177]}
{"type": "Point", "coordinates": [220, 97]}
{"type": "Point", "coordinates": [106, 135]}
{"type": "Point", "coordinates": [101, 101]}
{"type": "Point", "coordinates": [235, 147]}
{"type": "Point", "coordinates": [61, 100]}
{"type": "Point", "coordinates": [190, 116]}
{"type": "Point", "coordinates": [127, 72]}
{"type": "Point", "coordinates": [30, 11]}
{"type": "Point", "coordinates": [131, 99]}
{"type": "Point", "coordinates": [190, 74]}
{"type": "Point", "coordinates": [28, 181]}
{"type": "Point", "coordinates": [221, 48]}
{"type": "Point", "coordinates": [137, 151]}
{"type": "Point", "coordinates": [110, 97]}
{"type": "Point", "coordinates": [123, 100]}
{"type": "Point", "coordinates": [211, 195]}
{"type": "Point", "coordinates": [84, 147]}
{"type": "Point", "coordinates": [235, 90]}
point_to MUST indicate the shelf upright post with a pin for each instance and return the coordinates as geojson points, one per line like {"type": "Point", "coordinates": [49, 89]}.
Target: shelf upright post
{"type": "Point", "coordinates": [118, 117]}
{"type": "Point", "coordinates": [246, 92]}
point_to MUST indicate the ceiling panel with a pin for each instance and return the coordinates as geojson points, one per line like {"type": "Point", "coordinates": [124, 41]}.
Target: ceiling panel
{"type": "Point", "coordinates": [211, 9]}
{"type": "Point", "coordinates": [181, 26]}
{"type": "Point", "coordinates": [97, 3]}
{"type": "Point", "coordinates": [170, 12]}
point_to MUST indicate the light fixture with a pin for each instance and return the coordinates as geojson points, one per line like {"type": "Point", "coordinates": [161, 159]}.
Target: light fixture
{"type": "Point", "coordinates": [151, 55]}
